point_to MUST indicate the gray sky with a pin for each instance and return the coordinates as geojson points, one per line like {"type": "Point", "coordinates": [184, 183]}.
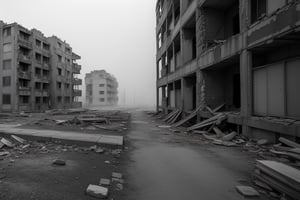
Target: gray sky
{"type": "Point", "coordinates": [115, 35]}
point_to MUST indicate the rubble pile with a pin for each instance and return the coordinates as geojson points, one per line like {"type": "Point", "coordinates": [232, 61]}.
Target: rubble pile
{"type": "Point", "coordinates": [86, 119]}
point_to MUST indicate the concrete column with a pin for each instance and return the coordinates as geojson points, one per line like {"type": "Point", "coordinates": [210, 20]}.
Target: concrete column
{"type": "Point", "coordinates": [157, 98]}
{"type": "Point", "coordinates": [246, 87]}
{"type": "Point", "coordinates": [200, 30]}
{"type": "Point", "coordinates": [200, 91]}
{"type": "Point", "coordinates": [182, 92]}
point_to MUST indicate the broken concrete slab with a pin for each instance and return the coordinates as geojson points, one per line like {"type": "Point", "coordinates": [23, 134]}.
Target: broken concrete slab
{"type": "Point", "coordinates": [97, 191]}
{"type": "Point", "coordinates": [247, 191]}
{"type": "Point", "coordinates": [18, 139]}
{"type": "Point", "coordinates": [4, 153]}
{"type": "Point", "coordinates": [91, 138]}
{"type": "Point", "coordinates": [7, 142]}
{"type": "Point", "coordinates": [262, 142]}
{"type": "Point", "coordinates": [117, 175]}
{"type": "Point", "coordinates": [229, 136]}
{"type": "Point", "coordinates": [104, 181]}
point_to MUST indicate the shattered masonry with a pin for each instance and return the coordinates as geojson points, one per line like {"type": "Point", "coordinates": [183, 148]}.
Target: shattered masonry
{"type": "Point", "coordinates": [244, 53]}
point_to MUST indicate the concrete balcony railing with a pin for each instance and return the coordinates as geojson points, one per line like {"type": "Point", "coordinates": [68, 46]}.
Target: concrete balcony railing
{"type": "Point", "coordinates": [25, 58]}
{"type": "Point", "coordinates": [76, 68]}
{"type": "Point", "coordinates": [77, 93]}
{"type": "Point", "coordinates": [76, 81]}
{"type": "Point", "coordinates": [24, 74]}
{"type": "Point", "coordinates": [46, 66]}
{"type": "Point", "coordinates": [24, 91]}
{"type": "Point", "coordinates": [24, 42]}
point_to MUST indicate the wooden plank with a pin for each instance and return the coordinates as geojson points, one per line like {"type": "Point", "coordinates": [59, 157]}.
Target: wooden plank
{"type": "Point", "coordinates": [218, 132]}
{"type": "Point", "coordinates": [192, 115]}
{"type": "Point", "coordinates": [218, 108]}
{"type": "Point", "coordinates": [279, 171]}
{"type": "Point", "coordinates": [202, 125]}
{"type": "Point", "coordinates": [170, 115]}
{"type": "Point", "coordinates": [173, 116]}
{"type": "Point", "coordinates": [288, 154]}
{"type": "Point", "coordinates": [214, 119]}
{"type": "Point", "coordinates": [210, 110]}
{"type": "Point", "coordinates": [289, 142]}
{"type": "Point", "coordinates": [278, 185]}
{"type": "Point", "coordinates": [176, 117]}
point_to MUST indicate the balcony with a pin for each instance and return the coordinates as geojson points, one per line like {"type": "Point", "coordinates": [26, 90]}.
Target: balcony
{"type": "Point", "coordinates": [24, 91]}
{"type": "Point", "coordinates": [76, 68]}
{"type": "Point", "coordinates": [24, 58]}
{"type": "Point", "coordinates": [46, 66]}
{"type": "Point", "coordinates": [24, 42]}
{"type": "Point", "coordinates": [24, 74]}
{"type": "Point", "coordinates": [76, 81]}
{"type": "Point", "coordinates": [75, 56]}
{"type": "Point", "coordinates": [77, 93]}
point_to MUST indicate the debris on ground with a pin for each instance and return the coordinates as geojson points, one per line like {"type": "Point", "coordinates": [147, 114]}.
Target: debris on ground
{"type": "Point", "coordinates": [116, 175]}
{"type": "Point", "coordinates": [247, 191]}
{"type": "Point", "coordinates": [97, 191]}
{"type": "Point", "coordinates": [59, 162]}
{"type": "Point", "coordinates": [104, 181]}
{"type": "Point", "coordinates": [279, 176]}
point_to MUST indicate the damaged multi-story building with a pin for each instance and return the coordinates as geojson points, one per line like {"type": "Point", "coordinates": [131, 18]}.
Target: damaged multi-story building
{"type": "Point", "coordinates": [101, 89]}
{"type": "Point", "coordinates": [37, 73]}
{"type": "Point", "coordinates": [244, 53]}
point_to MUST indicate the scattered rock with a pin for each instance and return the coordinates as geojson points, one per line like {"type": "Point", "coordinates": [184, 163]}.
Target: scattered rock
{"type": "Point", "coordinates": [117, 180]}
{"type": "Point", "coordinates": [262, 142]}
{"type": "Point", "coordinates": [93, 148]}
{"type": "Point", "coordinates": [119, 186]}
{"type": "Point", "coordinates": [117, 175]}
{"type": "Point", "coordinates": [104, 181]}
{"type": "Point", "coordinates": [247, 191]}
{"type": "Point", "coordinates": [107, 162]}
{"type": "Point", "coordinates": [99, 150]}
{"type": "Point", "coordinates": [97, 191]}
{"type": "Point", "coordinates": [59, 162]}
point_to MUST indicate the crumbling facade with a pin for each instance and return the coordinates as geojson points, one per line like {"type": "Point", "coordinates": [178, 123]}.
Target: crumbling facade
{"type": "Point", "coordinates": [244, 53]}
{"type": "Point", "coordinates": [101, 89]}
{"type": "Point", "coordinates": [29, 71]}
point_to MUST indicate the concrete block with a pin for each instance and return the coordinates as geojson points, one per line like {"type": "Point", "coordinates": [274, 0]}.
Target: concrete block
{"type": "Point", "coordinates": [247, 191]}
{"type": "Point", "coordinates": [104, 181]}
{"type": "Point", "coordinates": [117, 175]}
{"type": "Point", "coordinates": [97, 191]}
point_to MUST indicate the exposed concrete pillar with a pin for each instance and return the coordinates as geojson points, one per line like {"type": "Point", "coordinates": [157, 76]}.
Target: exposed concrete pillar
{"type": "Point", "coordinates": [200, 91]}
{"type": "Point", "coordinates": [183, 85]}
{"type": "Point", "coordinates": [246, 87]}
{"type": "Point", "coordinates": [157, 98]}
{"type": "Point", "coordinates": [200, 30]}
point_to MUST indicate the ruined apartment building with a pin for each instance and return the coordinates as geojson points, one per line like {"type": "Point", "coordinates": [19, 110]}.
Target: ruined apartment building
{"type": "Point", "coordinates": [101, 89]}
{"type": "Point", "coordinates": [37, 72]}
{"type": "Point", "coordinates": [244, 53]}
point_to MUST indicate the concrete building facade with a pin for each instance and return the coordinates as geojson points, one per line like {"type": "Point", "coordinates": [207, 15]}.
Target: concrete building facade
{"type": "Point", "coordinates": [101, 89]}
{"type": "Point", "coordinates": [27, 71]}
{"type": "Point", "coordinates": [244, 53]}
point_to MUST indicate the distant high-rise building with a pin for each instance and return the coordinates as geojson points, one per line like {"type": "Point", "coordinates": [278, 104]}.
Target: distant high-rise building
{"type": "Point", "coordinates": [37, 72]}
{"type": "Point", "coordinates": [101, 88]}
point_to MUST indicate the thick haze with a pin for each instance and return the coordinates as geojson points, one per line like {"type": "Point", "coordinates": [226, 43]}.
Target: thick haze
{"type": "Point", "coordinates": [115, 35]}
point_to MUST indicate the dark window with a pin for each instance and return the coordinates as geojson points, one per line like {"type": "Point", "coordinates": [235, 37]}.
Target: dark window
{"type": "Point", "coordinates": [59, 71]}
{"type": "Point", "coordinates": [38, 43]}
{"type": "Point", "coordinates": [24, 99]}
{"type": "Point", "coordinates": [6, 81]}
{"type": "Point", "coordinates": [102, 99]}
{"type": "Point", "coordinates": [101, 92]}
{"type": "Point", "coordinates": [59, 85]}
{"type": "Point", "coordinates": [37, 100]}
{"type": "Point", "coordinates": [59, 99]}
{"type": "Point", "coordinates": [258, 9]}
{"type": "Point", "coordinates": [101, 85]}
{"type": "Point", "coordinates": [6, 99]}
{"type": "Point", "coordinates": [6, 64]}
{"type": "Point", "coordinates": [7, 31]}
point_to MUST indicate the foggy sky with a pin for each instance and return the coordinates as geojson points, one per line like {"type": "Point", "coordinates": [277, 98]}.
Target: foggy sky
{"type": "Point", "coordinates": [115, 35]}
